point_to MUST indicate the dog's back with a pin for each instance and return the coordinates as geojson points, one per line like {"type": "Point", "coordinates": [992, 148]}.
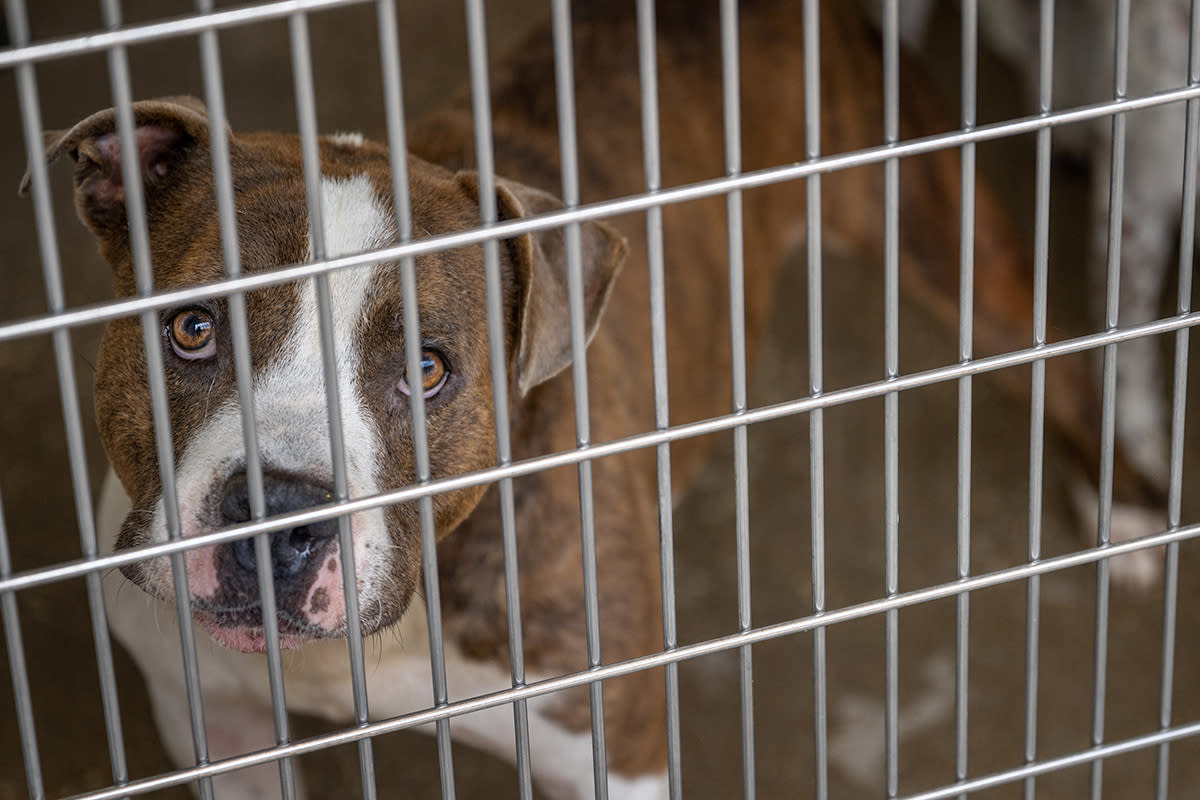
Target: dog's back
{"type": "Point", "coordinates": [693, 148]}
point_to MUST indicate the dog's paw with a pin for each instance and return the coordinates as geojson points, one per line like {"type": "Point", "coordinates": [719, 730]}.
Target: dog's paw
{"type": "Point", "coordinates": [1141, 570]}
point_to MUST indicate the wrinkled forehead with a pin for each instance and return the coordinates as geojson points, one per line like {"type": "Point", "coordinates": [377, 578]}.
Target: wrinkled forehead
{"type": "Point", "coordinates": [273, 208]}
{"type": "Point", "coordinates": [355, 192]}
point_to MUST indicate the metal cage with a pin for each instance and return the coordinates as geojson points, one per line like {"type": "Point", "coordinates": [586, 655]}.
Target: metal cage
{"type": "Point", "coordinates": [996, 621]}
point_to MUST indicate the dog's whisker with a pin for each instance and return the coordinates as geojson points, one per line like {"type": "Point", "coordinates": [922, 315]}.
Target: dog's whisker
{"type": "Point", "coordinates": [208, 396]}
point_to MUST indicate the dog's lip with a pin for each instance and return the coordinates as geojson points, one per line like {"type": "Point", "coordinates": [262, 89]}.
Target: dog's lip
{"type": "Point", "coordinates": [231, 627]}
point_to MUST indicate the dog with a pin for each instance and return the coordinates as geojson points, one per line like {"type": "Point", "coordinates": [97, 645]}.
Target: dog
{"type": "Point", "coordinates": [175, 151]}
{"type": "Point", "coordinates": [1154, 168]}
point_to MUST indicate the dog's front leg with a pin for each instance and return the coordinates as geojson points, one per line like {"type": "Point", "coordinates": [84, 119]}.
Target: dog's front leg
{"type": "Point", "coordinates": [233, 726]}
{"type": "Point", "coordinates": [1148, 253]}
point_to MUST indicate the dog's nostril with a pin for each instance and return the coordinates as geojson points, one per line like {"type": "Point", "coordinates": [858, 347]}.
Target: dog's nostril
{"type": "Point", "coordinates": [235, 500]}
{"type": "Point", "coordinates": [291, 548]}
{"type": "Point", "coordinates": [243, 554]}
{"type": "Point", "coordinates": [300, 541]}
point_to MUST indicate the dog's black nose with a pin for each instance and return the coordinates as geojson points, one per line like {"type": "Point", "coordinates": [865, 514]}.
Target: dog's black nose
{"type": "Point", "coordinates": [291, 548]}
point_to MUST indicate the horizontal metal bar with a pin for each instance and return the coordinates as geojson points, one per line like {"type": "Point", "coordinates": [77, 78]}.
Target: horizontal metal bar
{"type": "Point", "coordinates": [1090, 755]}
{"type": "Point", "coordinates": [102, 312]}
{"type": "Point", "coordinates": [154, 31]}
{"type": "Point", "coordinates": [529, 466]}
{"type": "Point", "coordinates": [709, 647]}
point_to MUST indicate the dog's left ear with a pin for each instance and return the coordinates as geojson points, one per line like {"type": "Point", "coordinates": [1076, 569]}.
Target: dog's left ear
{"type": "Point", "coordinates": [544, 321]}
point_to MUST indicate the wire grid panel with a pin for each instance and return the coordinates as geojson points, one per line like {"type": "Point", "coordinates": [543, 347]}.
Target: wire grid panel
{"type": "Point", "coordinates": [821, 404]}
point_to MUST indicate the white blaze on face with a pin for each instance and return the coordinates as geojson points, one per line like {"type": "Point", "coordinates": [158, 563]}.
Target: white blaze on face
{"type": "Point", "coordinates": [290, 407]}
{"type": "Point", "coordinates": [347, 139]}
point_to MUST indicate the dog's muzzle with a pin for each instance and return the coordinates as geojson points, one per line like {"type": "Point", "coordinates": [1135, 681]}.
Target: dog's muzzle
{"type": "Point", "coordinates": [305, 564]}
{"type": "Point", "coordinates": [293, 550]}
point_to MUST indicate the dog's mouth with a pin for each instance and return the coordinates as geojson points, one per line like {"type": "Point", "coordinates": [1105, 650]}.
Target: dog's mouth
{"type": "Point", "coordinates": [242, 628]}
{"type": "Point", "coordinates": [305, 563]}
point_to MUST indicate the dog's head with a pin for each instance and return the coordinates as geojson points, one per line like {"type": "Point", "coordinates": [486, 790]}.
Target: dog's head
{"type": "Point", "coordinates": [290, 409]}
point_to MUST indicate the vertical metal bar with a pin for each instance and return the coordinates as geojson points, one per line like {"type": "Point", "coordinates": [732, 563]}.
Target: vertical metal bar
{"type": "Point", "coordinates": [891, 103]}
{"type": "Point", "coordinates": [481, 108]}
{"type": "Point", "coordinates": [302, 78]}
{"type": "Point", "coordinates": [16, 666]}
{"type": "Point", "coordinates": [306, 113]}
{"type": "Point", "coordinates": [68, 392]}
{"type": "Point", "coordinates": [412, 351]}
{"type": "Point", "coordinates": [1108, 408]}
{"type": "Point", "coordinates": [1037, 427]}
{"type": "Point", "coordinates": [302, 75]}
{"type": "Point", "coordinates": [587, 518]}
{"type": "Point", "coordinates": [139, 243]}
{"type": "Point", "coordinates": [341, 491]}
{"type": "Point", "coordinates": [658, 337]}
{"type": "Point", "coordinates": [966, 312]}
{"type": "Point", "coordinates": [242, 364]}
{"type": "Point", "coordinates": [412, 334]}
{"type": "Point", "coordinates": [737, 322]}
{"type": "Point", "coordinates": [266, 590]}
{"type": "Point", "coordinates": [413, 347]}
{"type": "Point", "coordinates": [1187, 240]}
{"type": "Point", "coordinates": [816, 419]}
{"type": "Point", "coordinates": [237, 314]}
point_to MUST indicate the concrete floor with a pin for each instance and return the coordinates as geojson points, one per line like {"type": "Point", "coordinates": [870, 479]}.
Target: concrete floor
{"type": "Point", "coordinates": [38, 512]}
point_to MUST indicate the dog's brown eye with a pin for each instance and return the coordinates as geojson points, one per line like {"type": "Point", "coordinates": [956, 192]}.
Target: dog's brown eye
{"type": "Point", "coordinates": [192, 334]}
{"type": "Point", "coordinates": [433, 375]}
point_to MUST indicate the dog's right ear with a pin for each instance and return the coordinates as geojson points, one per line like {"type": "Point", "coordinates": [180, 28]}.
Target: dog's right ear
{"type": "Point", "coordinates": [544, 321]}
{"type": "Point", "coordinates": [168, 130]}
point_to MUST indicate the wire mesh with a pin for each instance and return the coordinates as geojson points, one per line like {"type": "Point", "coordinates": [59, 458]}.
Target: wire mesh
{"type": "Point", "coordinates": [968, 372]}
